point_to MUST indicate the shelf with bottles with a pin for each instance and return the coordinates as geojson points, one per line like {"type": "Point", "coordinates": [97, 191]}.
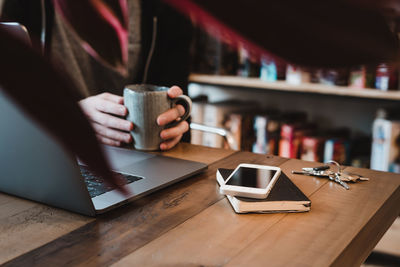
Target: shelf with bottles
{"type": "Point", "coordinates": [315, 88]}
{"type": "Point", "coordinates": [357, 92]}
{"type": "Point", "coordinates": [219, 65]}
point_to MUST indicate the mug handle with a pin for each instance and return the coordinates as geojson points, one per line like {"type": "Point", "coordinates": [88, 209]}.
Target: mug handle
{"type": "Point", "coordinates": [187, 104]}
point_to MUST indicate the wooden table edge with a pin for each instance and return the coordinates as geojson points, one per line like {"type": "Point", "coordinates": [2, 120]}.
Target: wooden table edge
{"type": "Point", "coordinates": [351, 255]}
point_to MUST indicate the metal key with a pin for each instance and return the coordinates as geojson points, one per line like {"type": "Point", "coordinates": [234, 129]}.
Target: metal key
{"type": "Point", "coordinates": [320, 168]}
{"type": "Point", "coordinates": [333, 176]}
{"type": "Point", "coordinates": [337, 179]}
{"type": "Point", "coordinates": [337, 175]}
{"type": "Point", "coordinates": [313, 173]}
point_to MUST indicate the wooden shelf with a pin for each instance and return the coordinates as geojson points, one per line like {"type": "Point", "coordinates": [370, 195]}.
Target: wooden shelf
{"type": "Point", "coordinates": [302, 88]}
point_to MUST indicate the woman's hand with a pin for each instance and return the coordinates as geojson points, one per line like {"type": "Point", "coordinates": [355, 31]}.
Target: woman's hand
{"type": "Point", "coordinates": [102, 110]}
{"type": "Point", "coordinates": [172, 136]}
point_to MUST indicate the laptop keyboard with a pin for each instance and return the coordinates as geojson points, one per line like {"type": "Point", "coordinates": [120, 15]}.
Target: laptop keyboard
{"type": "Point", "coordinates": [96, 185]}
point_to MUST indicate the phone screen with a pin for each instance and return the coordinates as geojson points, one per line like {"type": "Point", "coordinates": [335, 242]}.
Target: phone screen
{"type": "Point", "coordinates": [251, 177]}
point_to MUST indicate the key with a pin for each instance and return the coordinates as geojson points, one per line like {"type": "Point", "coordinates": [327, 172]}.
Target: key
{"type": "Point", "coordinates": [353, 177]}
{"type": "Point", "coordinates": [313, 173]}
{"type": "Point", "coordinates": [320, 168]}
{"type": "Point", "coordinates": [333, 176]}
{"type": "Point", "coordinates": [337, 179]}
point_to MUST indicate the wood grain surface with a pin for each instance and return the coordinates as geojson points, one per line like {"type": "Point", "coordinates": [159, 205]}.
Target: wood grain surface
{"type": "Point", "coordinates": [191, 224]}
{"type": "Point", "coordinates": [121, 231]}
{"type": "Point", "coordinates": [38, 224]}
{"type": "Point", "coordinates": [197, 153]}
{"type": "Point", "coordinates": [26, 225]}
{"type": "Point", "coordinates": [216, 235]}
{"type": "Point", "coordinates": [330, 233]}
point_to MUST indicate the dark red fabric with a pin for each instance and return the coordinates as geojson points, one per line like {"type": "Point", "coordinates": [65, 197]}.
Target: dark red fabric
{"type": "Point", "coordinates": [313, 33]}
{"type": "Point", "coordinates": [102, 26]}
{"type": "Point", "coordinates": [46, 96]}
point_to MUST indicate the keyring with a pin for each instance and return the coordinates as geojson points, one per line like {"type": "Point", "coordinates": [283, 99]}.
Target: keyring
{"type": "Point", "coordinates": [339, 171]}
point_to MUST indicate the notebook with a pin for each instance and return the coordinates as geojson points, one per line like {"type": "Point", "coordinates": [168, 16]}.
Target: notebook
{"type": "Point", "coordinates": [285, 196]}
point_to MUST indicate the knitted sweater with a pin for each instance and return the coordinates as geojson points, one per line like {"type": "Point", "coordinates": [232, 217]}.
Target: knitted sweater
{"type": "Point", "coordinates": [168, 65]}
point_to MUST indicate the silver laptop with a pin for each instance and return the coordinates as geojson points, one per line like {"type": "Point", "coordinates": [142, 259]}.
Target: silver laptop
{"type": "Point", "coordinates": [35, 166]}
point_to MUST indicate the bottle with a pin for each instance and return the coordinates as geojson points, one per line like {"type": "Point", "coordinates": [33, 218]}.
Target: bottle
{"type": "Point", "coordinates": [244, 63]}
{"type": "Point", "coordinates": [386, 77]}
{"type": "Point", "coordinates": [357, 77]}
{"type": "Point", "coordinates": [268, 70]}
{"type": "Point", "coordinates": [296, 75]}
{"type": "Point", "coordinates": [247, 67]}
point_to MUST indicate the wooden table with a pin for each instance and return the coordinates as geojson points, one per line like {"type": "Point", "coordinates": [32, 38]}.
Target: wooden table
{"type": "Point", "coordinates": [191, 224]}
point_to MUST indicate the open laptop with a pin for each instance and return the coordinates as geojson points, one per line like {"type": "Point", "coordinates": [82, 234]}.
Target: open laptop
{"type": "Point", "coordinates": [35, 166]}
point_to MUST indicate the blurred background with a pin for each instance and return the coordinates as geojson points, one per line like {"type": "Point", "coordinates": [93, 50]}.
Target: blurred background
{"type": "Point", "coordinates": [267, 105]}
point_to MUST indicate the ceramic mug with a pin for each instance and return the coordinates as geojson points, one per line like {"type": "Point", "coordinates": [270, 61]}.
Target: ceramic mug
{"type": "Point", "coordinates": [145, 103]}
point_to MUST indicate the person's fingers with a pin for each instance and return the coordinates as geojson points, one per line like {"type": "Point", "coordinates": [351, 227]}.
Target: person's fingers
{"type": "Point", "coordinates": [111, 107]}
{"type": "Point", "coordinates": [113, 98]}
{"type": "Point", "coordinates": [111, 121]}
{"type": "Point", "coordinates": [118, 181]}
{"type": "Point", "coordinates": [112, 134]}
{"type": "Point", "coordinates": [170, 133]}
{"type": "Point", "coordinates": [170, 115]}
{"type": "Point", "coordinates": [107, 141]}
{"type": "Point", "coordinates": [170, 143]}
{"type": "Point", "coordinates": [174, 91]}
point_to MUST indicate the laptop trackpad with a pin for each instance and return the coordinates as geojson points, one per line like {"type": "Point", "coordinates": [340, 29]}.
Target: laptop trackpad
{"type": "Point", "coordinates": [121, 157]}
{"type": "Point", "coordinates": [163, 168]}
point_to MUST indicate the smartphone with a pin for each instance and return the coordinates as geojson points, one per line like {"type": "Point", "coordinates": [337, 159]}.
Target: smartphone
{"type": "Point", "coordinates": [250, 180]}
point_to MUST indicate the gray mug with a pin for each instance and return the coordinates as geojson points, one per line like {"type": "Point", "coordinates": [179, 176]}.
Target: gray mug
{"type": "Point", "coordinates": [145, 103]}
